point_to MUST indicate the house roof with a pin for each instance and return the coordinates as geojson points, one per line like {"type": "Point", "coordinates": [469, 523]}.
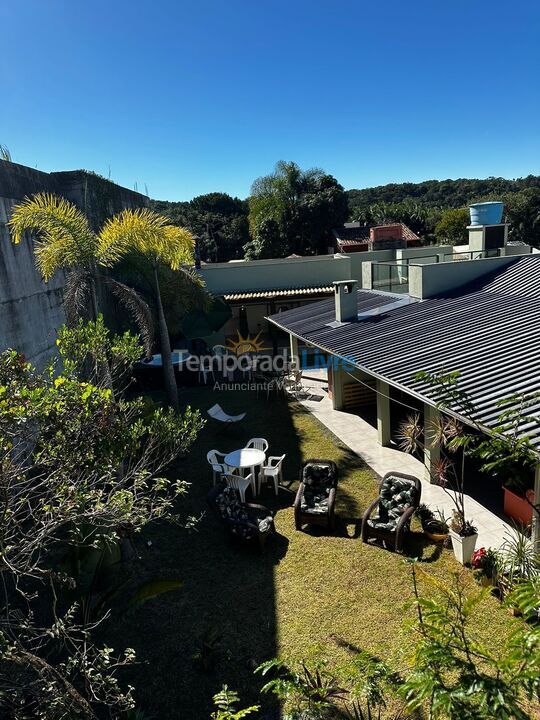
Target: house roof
{"type": "Point", "coordinates": [354, 233]}
{"type": "Point", "coordinates": [288, 292]}
{"type": "Point", "coordinates": [487, 331]}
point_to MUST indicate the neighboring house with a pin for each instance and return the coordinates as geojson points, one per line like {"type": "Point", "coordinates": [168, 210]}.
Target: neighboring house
{"type": "Point", "coordinates": [361, 237]}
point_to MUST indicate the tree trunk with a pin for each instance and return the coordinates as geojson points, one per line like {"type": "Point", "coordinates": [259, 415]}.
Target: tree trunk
{"type": "Point", "coordinates": [166, 359]}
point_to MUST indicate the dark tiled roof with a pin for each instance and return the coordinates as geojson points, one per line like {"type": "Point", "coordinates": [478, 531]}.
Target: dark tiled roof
{"type": "Point", "coordinates": [348, 235]}
{"type": "Point", "coordinates": [488, 332]}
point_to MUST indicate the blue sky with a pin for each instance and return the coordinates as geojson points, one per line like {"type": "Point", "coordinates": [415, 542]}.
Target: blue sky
{"type": "Point", "coordinates": [192, 97]}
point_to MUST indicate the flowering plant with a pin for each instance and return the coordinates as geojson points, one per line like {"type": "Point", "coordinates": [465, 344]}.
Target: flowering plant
{"type": "Point", "coordinates": [477, 559]}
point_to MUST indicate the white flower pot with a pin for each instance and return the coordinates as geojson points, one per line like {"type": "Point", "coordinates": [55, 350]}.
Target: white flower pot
{"type": "Point", "coordinates": [463, 546]}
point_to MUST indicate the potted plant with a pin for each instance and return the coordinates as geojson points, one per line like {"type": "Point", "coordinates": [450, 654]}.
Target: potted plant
{"type": "Point", "coordinates": [464, 536]}
{"type": "Point", "coordinates": [433, 524]}
{"type": "Point", "coordinates": [447, 434]}
{"type": "Point", "coordinates": [486, 563]}
{"type": "Point", "coordinates": [519, 498]}
{"type": "Point", "coordinates": [519, 562]}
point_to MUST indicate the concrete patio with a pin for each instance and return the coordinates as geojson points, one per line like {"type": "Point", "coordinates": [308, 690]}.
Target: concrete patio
{"type": "Point", "coordinates": [361, 437]}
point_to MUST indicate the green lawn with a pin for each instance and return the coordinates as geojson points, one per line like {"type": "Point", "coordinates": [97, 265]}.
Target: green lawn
{"type": "Point", "coordinates": [309, 592]}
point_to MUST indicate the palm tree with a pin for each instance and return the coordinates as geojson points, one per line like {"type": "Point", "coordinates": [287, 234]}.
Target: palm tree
{"type": "Point", "coordinates": [154, 238]}
{"type": "Point", "coordinates": [66, 241]}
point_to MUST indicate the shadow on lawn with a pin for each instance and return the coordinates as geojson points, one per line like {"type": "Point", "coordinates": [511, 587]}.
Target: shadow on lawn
{"type": "Point", "coordinates": [222, 623]}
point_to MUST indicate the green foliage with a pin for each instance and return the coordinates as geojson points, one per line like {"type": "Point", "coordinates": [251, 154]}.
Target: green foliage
{"type": "Point", "coordinates": [454, 674]}
{"type": "Point", "coordinates": [294, 211]}
{"type": "Point", "coordinates": [226, 702]}
{"type": "Point", "coordinates": [452, 227]}
{"type": "Point", "coordinates": [5, 153]}
{"type": "Point", "coordinates": [420, 218]}
{"type": "Point", "coordinates": [440, 193]}
{"type": "Point", "coordinates": [80, 470]}
{"type": "Point", "coordinates": [218, 220]}
{"type": "Point", "coordinates": [89, 350]}
{"type": "Point", "coordinates": [308, 693]}
{"type": "Point", "coordinates": [152, 589]}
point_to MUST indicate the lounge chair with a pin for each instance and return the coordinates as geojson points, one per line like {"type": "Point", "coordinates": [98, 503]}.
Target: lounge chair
{"type": "Point", "coordinates": [316, 495]}
{"type": "Point", "coordinates": [399, 497]}
{"type": "Point", "coordinates": [217, 413]}
{"type": "Point", "coordinates": [246, 521]}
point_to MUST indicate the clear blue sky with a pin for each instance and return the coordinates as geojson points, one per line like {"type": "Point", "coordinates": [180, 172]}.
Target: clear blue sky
{"type": "Point", "coordinates": [193, 96]}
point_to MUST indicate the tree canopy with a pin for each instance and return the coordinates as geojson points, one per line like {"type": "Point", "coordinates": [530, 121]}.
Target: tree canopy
{"type": "Point", "coordinates": [293, 211]}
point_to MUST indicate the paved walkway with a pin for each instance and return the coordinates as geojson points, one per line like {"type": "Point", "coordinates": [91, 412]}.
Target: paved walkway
{"type": "Point", "coordinates": [361, 437]}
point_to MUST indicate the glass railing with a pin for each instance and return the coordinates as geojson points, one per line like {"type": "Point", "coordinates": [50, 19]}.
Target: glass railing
{"type": "Point", "coordinates": [394, 276]}
{"type": "Point", "coordinates": [390, 277]}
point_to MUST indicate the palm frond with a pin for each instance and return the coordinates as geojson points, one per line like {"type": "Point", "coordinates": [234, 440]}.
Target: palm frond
{"type": "Point", "coordinates": [148, 233]}
{"type": "Point", "coordinates": [64, 236]}
{"type": "Point", "coordinates": [138, 310]}
{"type": "Point", "coordinates": [5, 154]}
{"type": "Point", "coordinates": [76, 293]}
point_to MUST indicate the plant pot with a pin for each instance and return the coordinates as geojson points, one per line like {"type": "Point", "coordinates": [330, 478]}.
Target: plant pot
{"type": "Point", "coordinates": [436, 537]}
{"type": "Point", "coordinates": [518, 507]}
{"type": "Point", "coordinates": [463, 546]}
{"type": "Point", "coordinates": [486, 213]}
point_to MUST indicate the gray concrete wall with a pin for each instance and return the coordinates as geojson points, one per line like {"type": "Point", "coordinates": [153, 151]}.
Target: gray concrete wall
{"type": "Point", "coordinates": [31, 310]}
{"type": "Point", "coordinates": [427, 281]}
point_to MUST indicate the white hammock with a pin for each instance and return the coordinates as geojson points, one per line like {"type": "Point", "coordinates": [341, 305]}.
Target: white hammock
{"type": "Point", "coordinates": [217, 413]}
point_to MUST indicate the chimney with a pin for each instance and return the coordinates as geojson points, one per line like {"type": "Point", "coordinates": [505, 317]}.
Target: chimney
{"type": "Point", "coordinates": [387, 237]}
{"type": "Point", "coordinates": [346, 300]}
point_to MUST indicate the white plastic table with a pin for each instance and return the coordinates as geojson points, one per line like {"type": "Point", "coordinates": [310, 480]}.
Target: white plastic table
{"type": "Point", "coordinates": [246, 458]}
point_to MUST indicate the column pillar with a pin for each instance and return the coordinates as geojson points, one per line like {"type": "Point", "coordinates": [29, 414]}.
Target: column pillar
{"type": "Point", "coordinates": [294, 348]}
{"type": "Point", "coordinates": [383, 413]}
{"type": "Point", "coordinates": [339, 378]}
{"type": "Point", "coordinates": [535, 531]}
{"type": "Point", "coordinates": [432, 451]}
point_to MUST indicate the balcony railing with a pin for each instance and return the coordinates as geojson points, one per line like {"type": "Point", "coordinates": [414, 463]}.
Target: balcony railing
{"type": "Point", "coordinates": [394, 276]}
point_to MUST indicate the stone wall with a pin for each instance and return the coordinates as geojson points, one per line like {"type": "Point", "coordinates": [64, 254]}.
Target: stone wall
{"type": "Point", "coordinates": [31, 310]}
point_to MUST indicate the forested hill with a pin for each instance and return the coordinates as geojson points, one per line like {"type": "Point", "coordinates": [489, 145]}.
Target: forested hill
{"type": "Point", "coordinates": [439, 193]}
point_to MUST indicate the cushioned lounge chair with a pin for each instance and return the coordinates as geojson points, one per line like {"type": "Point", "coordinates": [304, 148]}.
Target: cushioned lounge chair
{"type": "Point", "coordinates": [246, 521]}
{"type": "Point", "coordinates": [316, 495]}
{"type": "Point", "coordinates": [388, 517]}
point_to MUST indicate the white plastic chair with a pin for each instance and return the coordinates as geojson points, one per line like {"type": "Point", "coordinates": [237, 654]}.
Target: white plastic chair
{"type": "Point", "coordinates": [239, 483]}
{"type": "Point", "coordinates": [258, 444]}
{"type": "Point", "coordinates": [293, 382]}
{"type": "Point", "coordinates": [215, 458]}
{"type": "Point", "coordinates": [272, 470]}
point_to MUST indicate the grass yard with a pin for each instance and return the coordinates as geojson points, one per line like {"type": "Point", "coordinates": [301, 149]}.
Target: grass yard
{"type": "Point", "coordinates": [309, 592]}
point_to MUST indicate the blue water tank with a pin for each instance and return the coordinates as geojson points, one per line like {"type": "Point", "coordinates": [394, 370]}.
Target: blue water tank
{"type": "Point", "coordinates": [486, 213]}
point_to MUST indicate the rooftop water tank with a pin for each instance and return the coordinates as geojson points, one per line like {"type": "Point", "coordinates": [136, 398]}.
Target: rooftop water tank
{"type": "Point", "coordinates": [486, 213]}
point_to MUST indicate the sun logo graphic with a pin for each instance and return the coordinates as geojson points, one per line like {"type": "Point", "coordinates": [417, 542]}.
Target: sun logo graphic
{"type": "Point", "coordinates": [243, 345]}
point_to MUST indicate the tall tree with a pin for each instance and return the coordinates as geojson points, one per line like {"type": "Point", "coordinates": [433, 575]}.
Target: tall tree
{"type": "Point", "coordinates": [294, 210]}
{"type": "Point", "coordinates": [452, 227]}
{"type": "Point", "coordinates": [219, 221]}
{"type": "Point", "coordinates": [162, 244]}
{"type": "Point", "coordinates": [65, 241]}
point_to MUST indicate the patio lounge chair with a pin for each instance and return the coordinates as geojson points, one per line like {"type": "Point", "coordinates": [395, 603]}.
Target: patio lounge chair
{"type": "Point", "coordinates": [316, 495]}
{"type": "Point", "coordinates": [217, 413]}
{"type": "Point", "coordinates": [246, 521]}
{"type": "Point", "coordinates": [399, 497]}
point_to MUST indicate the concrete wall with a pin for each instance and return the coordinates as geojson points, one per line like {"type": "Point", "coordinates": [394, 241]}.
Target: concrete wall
{"type": "Point", "coordinates": [246, 276]}
{"type": "Point", "coordinates": [31, 310]}
{"type": "Point", "coordinates": [429, 280]}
